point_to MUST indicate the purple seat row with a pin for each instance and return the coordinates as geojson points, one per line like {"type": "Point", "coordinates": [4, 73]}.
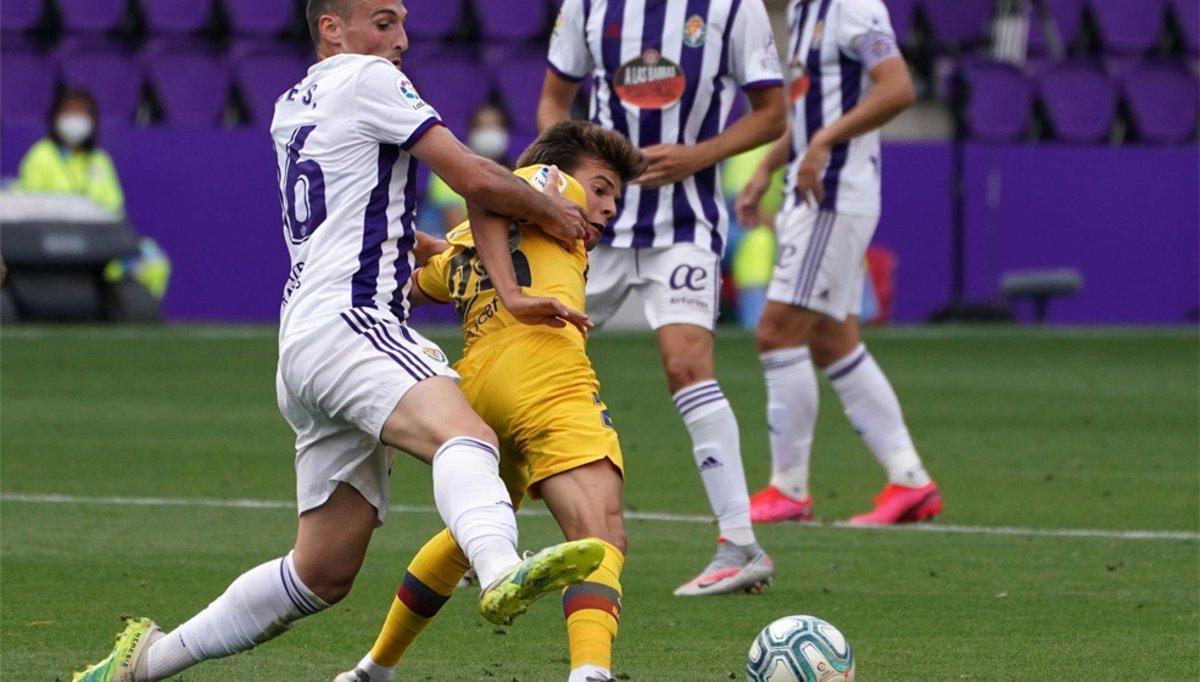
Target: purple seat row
{"type": "Point", "coordinates": [1081, 100]}
{"type": "Point", "coordinates": [1125, 26]}
{"type": "Point", "coordinates": [500, 19]}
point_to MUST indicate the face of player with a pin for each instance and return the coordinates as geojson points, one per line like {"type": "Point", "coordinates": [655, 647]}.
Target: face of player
{"type": "Point", "coordinates": [603, 188]}
{"type": "Point", "coordinates": [376, 28]}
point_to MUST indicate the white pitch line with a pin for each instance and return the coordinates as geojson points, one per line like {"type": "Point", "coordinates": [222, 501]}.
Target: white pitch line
{"type": "Point", "coordinates": [219, 503]}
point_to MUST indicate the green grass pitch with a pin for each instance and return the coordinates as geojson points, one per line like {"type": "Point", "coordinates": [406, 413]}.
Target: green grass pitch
{"type": "Point", "coordinates": [1037, 430]}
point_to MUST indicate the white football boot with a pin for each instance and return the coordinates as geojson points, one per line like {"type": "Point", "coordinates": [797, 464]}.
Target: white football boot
{"type": "Point", "coordinates": [734, 568]}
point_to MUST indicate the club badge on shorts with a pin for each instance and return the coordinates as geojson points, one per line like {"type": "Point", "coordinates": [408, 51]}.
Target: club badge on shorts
{"type": "Point", "coordinates": [434, 352]}
{"type": "Point", "coordinates": [694, 31]}
{"type": "Point", "coordinates": [650, 81]}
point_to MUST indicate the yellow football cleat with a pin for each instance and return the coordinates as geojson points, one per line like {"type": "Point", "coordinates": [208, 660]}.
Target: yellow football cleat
{"type": "Point", "coordinates": [132, 644]}
{"type": "Point", "coordinates": [549, 570]}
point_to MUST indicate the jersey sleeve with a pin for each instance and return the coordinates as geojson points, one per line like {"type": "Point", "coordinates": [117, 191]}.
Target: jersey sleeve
{"type": "Point", "coordinates": [569, 56]}
{"type": "Point", "coordinates": [753, 56]}
{"type": "Point", "coordinates": [433, 278]}
{"type": "Point", "coordinates": [388, 108]}
{"type": "Point", "coordinates": [865, 33]}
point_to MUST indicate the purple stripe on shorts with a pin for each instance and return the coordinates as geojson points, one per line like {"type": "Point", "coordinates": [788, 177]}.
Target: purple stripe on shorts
{"type": "Point", "coordinates": [408, 352]}
{"type": "Point", "coordinates": [364, 333]}
{"type": "Point", "coordinates": [822, 245]}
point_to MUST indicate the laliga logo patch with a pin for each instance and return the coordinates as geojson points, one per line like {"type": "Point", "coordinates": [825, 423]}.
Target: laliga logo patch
{"type": "Point", "coordinates": [542, 177]}
{"type": "Point", "coordinates": [409, 93]}
{"type": "Point", "coordinates": [434, 353]}
{"type": "Point", "coordinates": [694, 31]}
{"type": "Point", "coordinates": [650, 81]}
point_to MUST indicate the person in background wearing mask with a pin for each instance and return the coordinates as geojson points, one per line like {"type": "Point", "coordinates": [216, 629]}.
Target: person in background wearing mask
{"type": "Point", "coordinates": [67, 160]}
{"type": "Point", "coordinates": [488, 137]}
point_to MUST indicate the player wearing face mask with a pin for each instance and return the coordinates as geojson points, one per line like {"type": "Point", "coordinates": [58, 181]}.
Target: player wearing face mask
{"type": "Point", "coordinates": [67, 160]}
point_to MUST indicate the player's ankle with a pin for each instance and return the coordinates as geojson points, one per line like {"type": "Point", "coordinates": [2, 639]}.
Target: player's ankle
{"type": "Point", "coordinates": [589, 673]}
{"type": "Point", "coordinates": [376, 672]}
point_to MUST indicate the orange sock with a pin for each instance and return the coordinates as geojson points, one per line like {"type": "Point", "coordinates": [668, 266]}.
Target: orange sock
{"type": "Point", "coordinates": [428, 583]}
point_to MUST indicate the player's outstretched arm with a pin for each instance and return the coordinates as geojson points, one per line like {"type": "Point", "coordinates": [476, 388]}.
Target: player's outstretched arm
{"type": "Point", "coordinates": [891, 93]}
{"type": "Point", "coordinates": [494, 188]}
{"type": "Point", "coordinates": [490, 232]}
{"type": "Point", "coordinates": [767, 120]}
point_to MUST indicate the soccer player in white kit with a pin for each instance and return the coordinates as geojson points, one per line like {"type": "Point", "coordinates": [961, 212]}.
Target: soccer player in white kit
{"type": "Point", "coordinates": [354, 381]}
{"type": "Point", "coordinates": [666, 73]}
{"type": "Point", "coordinates": [847, 78]}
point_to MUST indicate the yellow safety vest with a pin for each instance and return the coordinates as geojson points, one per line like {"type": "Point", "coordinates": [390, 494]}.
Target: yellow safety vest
{"type": "Point", "coordinates": [48, 169]}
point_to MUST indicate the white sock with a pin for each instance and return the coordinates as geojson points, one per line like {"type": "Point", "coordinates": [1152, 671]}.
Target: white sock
{"type": "Point", "coordinates": [475, 505]}
{"type": "Point", "coordinates": [593, 672]}
{"type": "Point", "coordinates": [374, 671]}
{"type": "Point", "coordinates": [717, 449]}
{"type": "Point", "coordinates": [874, 411]}
{"type": "Point", "coordinates": [792, 399]}
{"type": "Point", "coordinates": [262, 603]}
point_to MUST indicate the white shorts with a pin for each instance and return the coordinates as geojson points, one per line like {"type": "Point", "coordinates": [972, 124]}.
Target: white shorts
{"type": "Point", "coordinates": [679, 284]}
{"type": "Point", "coordinates": [821, 261]}
{"type": "Point", "coordinates": [336, 385]}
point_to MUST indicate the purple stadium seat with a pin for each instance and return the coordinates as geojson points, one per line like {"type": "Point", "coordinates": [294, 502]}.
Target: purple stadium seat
{"type": "Point", "coordinates": [91, 16]}
{"type": "Point", "coordinates": [520, 86]}
{"type": "Point", "coordinates": [455, 87]}
{"type": "Point", "coordinates": [110, 75]}
{"type": "Point", "coordinates": [263, 78]}
{"type": "Point", "coordinates": [176, 16]}
{"type": "Point", "coordinates": [1129, 26]}
{"type": "Point", "coordinates": [511, 21]}
{"type": "Point", "coordinates": [27, 88]}
{"type": "Point", "coordinates": [1187, 15]}
{"type": "Point", "coordinates": [1000, 99]}
{"type": "Point", "coordinates": [958, 21]}
{"type": "Point", "coordinates": [433, 19]}
{"type": "Point", "coordinates": [901, 14]}
{"type": "Point", "coordinates": [1081, 101]}
{"type": "Point", "coordinates": [20, 15]}
{"type": "Point", "coordinates": [1162, 97]}
{"type": "Point", "coordinates": [261, 16]}
{"type": "Point", "coordinates": [1067, 16]}
{"type": "Point", "coordinates": [192, 87]}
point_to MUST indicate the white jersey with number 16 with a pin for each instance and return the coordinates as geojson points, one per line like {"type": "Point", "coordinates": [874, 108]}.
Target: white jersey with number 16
{"type": "Point", "coordinates": [347, 187]}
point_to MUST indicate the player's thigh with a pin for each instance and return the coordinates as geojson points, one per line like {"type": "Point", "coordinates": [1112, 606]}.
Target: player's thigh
{"type": "Point", "coordinates": [586, 501]}
{"type": "Point", "coordinates": [332, 540]}
{"type": "Point", "coordinates": [680, 285]}
{"type": "Point", "coordinates": [431, 413]}
{"type": "Point", "coordinates": [686, 351]}
{"type": "Point", "coordinates": [609, 281]}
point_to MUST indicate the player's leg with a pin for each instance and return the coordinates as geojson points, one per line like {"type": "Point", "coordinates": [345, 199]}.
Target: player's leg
{"type": "Point", "coordinates": [586, 502]}
{"type": "Point", "coordinates": [680, 287]}
{"type": "Point", "coordinates": [873, 409]}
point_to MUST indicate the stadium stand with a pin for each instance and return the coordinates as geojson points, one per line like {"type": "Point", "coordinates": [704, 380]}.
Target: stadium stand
{"type": "Point", "coordinates": [261, 17]}
{"type": "Point", "coordinates": [437, 20]}
{"type": "Point", "coordinates": [192, 87]}
{"type": "Point", "coordinates": [261, 78]}
{"type": "Point", "coordinates": [1080, 101]}
{"type": "Point", "coordinates": [27, 88]}
{"type": "Point", "coordinates": [91, 16]}
{"type": "Point", "coordinates": [1187, 17]}
{"type": "Point", "coordinates": [1067, 17]}
{"type": "Point", "coordinates": [999, 102]}
{"type": "Point", "coordinates": [1129, 26]}
{"type": "Point", "coordinates": [958, 23]}
{"type": "Point", "coordinates": [901, 12]}
{"type": "Point", "coordinates": [84, 64]}
{"type": "Point", "coordinates": [1163, 97]}
{"type": "Point", "coordinates": [20, 15]}
{"type": "Point", "coordinates": [504, 20]}
{"type": "Point", "coordinates": [176, 16]}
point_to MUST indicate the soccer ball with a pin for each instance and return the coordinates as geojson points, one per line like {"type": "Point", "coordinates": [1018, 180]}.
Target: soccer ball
{"type": "Point", "coordinates": [800, 649]}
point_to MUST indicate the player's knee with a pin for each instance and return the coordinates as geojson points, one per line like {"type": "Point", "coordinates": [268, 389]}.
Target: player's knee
{"type": "Point", "coordinates": [331, 580]}
{"type": "Point", "coordinates": [827, 350]}
{"type": "Point", "coordinates": [685, 370]}
{"type": "Point", "coordinates": [616, 537]}
{"type": "Point", "coordinates": [777, 328]}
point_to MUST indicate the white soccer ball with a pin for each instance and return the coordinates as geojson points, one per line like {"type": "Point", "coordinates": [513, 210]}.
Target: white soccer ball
{"type": "Point", "coordinates": [800, 649]}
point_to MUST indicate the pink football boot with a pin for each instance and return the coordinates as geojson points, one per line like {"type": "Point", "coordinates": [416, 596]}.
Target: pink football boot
{"type": "Point", "coordinates": [770, 505]}
{"type": "Point", "coordinates": [899, 504]}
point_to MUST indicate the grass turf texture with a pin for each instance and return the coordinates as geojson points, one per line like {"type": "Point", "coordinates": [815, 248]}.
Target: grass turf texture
{"type": "Point", "coordinates": [1036, 429]}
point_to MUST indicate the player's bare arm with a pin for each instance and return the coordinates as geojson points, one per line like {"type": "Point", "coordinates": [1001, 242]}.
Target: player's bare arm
{"type": "Point", "coordinates": [495, 188]}
{"type": "Point", "coordinates": [891, 93]}
{"type": "Point", "coordinates": [746, 204]}
{"type": "Point", "coordinates": [490, 232]}
{"type": "Point", "coordinates": [554, 105]}
{"type": "Point", "coordinates": [767, 120]}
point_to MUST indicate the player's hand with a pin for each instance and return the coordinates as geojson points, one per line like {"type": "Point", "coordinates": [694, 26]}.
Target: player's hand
{"type": "Point", "coordinates": [545, 310]}
{"type": "Point", "coordinates": [670, 163]}
{"type": "Point", "coordinates": [809, 184]}
{"type": "Point", "coordinates": [427, 246]}
{"type": "Point", "coordinates": [746, 204]}
{"type": "Point", "coordinates": [564, 220]}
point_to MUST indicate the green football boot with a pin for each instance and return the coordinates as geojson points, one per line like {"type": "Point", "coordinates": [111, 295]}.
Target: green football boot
{"type": "Point", "coordinates": [132, 644]}
{"type": "Point", "coordinates": [549, 570]}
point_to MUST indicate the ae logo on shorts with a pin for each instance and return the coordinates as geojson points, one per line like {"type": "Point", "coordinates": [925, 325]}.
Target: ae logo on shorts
{"type": "Point", "coordinates": [688, 277]}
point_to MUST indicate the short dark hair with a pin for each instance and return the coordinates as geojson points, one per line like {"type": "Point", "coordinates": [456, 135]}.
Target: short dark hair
{"type": "Point", "coordinates": [312, 14]}
{"type": "Point", "coordinates": [89, 103]}
{"type": "Point", "coordinates": [566, 145]}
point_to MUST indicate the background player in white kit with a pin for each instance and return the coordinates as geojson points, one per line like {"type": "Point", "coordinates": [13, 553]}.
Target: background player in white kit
{"type": "Point", "coordinates": [666, 74]}
{"type": "Point", "coordinates": [353, 379]}
{"type": "Point", "coordinates": [847, 78]}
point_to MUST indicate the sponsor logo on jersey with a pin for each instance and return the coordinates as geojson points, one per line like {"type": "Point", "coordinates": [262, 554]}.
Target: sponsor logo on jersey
{"type": "Point", "coordinates": [798, 88]}
{"type": "Point", "coordinates": [694, 31]}
{"type": "Point", "coordinates": [650, 81]}
{"type": "Point", "coordinates": [409, 93]}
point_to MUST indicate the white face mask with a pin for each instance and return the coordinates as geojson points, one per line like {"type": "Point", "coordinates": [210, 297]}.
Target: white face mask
{"type": "Point", "coordinates": [490, 142]}
{"type": "Point", "coordinates": [74, 128]}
